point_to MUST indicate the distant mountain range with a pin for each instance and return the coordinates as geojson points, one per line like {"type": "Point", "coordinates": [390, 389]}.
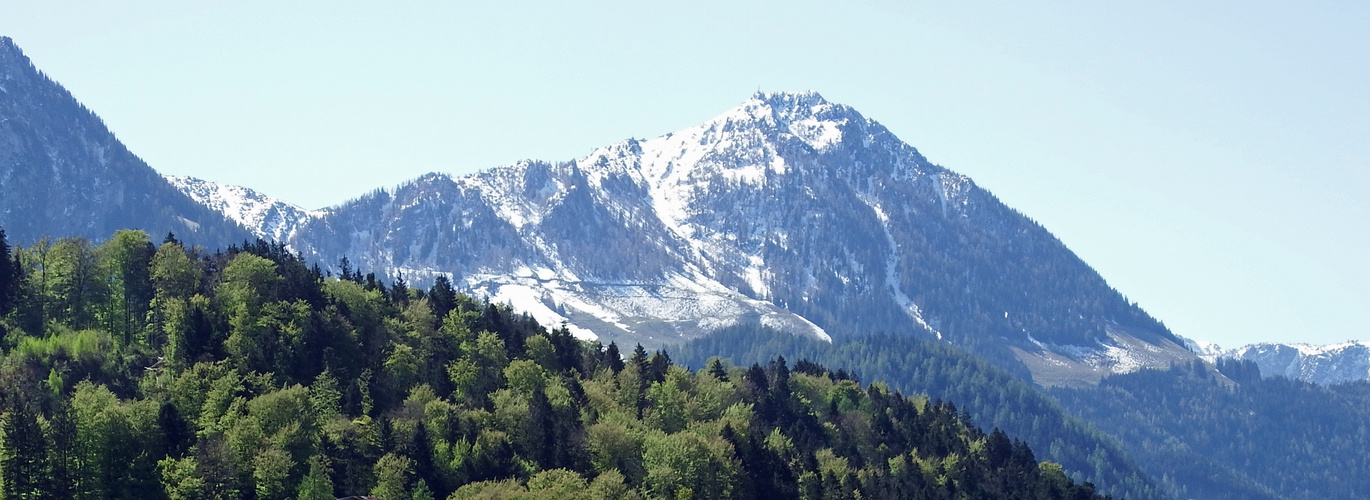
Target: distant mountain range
{"type": "Point", "coordinates": [1325, 365]}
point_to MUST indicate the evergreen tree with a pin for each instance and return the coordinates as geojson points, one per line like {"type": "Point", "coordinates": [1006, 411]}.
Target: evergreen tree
{"type": "Point", "coordinates": [9, 276]}
{"type": "Point", "coordinates": [716, 369]}
{"type": "Point", "coordinates": [614, 358]}
{"type": "Point", "coordinates": [442, 298]}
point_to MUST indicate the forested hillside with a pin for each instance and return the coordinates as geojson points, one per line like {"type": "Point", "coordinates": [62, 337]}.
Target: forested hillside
{"type": "Point", "coordinates": [1235, 435]}
{"type": "Point", "coordinates": [139, 371]}
{"type": "Point", "coordinates": [990, 397]}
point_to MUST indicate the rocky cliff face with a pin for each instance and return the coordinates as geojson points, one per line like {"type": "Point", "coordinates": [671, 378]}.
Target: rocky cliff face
{"type": "Point", "coordinates": [63, 173]}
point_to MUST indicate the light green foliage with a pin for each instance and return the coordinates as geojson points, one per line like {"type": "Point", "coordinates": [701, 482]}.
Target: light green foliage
{"type": "Point", "coordinates": [511, 411]}
{"type": "Point", "coordinates": [688, 461]}
{"type": "Point", "coordinates": [325, 398]}
{"type": "Point", "coordinates": [508, 489]}
{"type": "Point", "coordinates": [125, 261]}
{"type": "Point", "coordinates": [845, 395]}
{"type": "Point", "coordinates": [264, 342]}
{"type": "Point", "coordinates": [223, 392]}
{"type": "Point", "coordinates": [402, 366]}
{"type": "Point", "coordinates": [74, 283]}
{"type": "Point", "coordinates": [270, 470]}
{"type": "Point", "coordinates": [555, 484]}
{"type": "Point", "coordinates": [285, 419]}
{"type": "Point", "coordinates": [462, 373]}
{"type": "Point", "coordinates": [112, 453]}
{"type": "Point", "coordinates": [488, 351]}
{"type": "Point", "coordinates": [830, 463]}
{"type": "Point", "coordinates": [365, 307]}
{"type": "Point", "coordinates": [609, 485]}
{"type": "Point", "coordinates": [69, 354]}
{"type": "Point", "coordinates": [615, 446]}
{"type": "Point", "coordinates": [173, 316]}
{"type": "Point", "coordinates": [248, 282]}
{"type": "Point", "coordinates": [180, 480]}
{"type": "Point", "coordinates": [392, 475]}
{"type": "Point", "coordinates": [421, 491]}
{"type": "Point", "coordinates": [779, 443]}
{"type": "Point", "coordinates": [174, 274]}
{"type": "Point", "coordinates": [192, 388]}
{"type": "Point", "coordinates": [455, 324]}
{"type": "Point", "coordinates": [540, 350]}
{"type": "Point", "coordinates": [418, 319]}
{"type": "Point", "coordinates": [670, 405]}
{"type": "Point", "coordinates": [524, 376]}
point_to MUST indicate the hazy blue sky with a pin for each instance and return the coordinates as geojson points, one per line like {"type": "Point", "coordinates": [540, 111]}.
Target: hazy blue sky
{"type": "Point", "coordinates": [1211, 160]}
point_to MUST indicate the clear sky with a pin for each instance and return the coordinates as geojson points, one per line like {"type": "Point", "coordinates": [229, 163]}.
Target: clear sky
{"type": "Point", "coordinates": [1210, 159]}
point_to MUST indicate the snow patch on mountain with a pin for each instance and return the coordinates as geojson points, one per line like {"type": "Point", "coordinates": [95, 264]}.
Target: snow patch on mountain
{"type": "Point", "coordinates": [269, 218]}
{"type": "Point", "coordinates": [1206, 350]}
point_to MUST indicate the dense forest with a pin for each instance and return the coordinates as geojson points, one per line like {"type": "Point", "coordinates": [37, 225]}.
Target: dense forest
{"type": "Point", "coordinates": [1231, 434]}
{"type": "Point", "coordinates": [989, 396]}
{"type": "Point", "coordinates": [138, 371]}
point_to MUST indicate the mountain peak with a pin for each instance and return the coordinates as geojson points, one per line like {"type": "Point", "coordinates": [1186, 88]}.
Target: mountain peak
{"type": "Point", "coordinates": [806, 97]}
{"type": "Point", "coordinates": [10, 53]}
{"type": "Point", "coordinates": [786, 108]}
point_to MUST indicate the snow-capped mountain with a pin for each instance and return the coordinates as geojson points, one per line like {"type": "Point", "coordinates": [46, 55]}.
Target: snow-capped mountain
{"type": "Point", "coordinates": [1326, 364]}
{"type": "Point", "coordinates": [63, 173]}
{"type": "Point", "coordinates": [268, 218]}
{"type": "Point", "coordinates": [787, 210]}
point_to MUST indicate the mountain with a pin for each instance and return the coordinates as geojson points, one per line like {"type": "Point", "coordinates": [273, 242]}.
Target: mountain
{"type": "Point", "coordinates": [267, 217]}
{"type": "Point", "coordinates": [1325, 365]}
{"type": "Point", "coordinates": [788, 210]}
{"type": "Point", "coordinates": [62, 172]}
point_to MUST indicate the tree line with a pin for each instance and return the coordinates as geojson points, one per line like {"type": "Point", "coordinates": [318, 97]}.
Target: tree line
{"type": "Point", "coordinates": [133, 370]}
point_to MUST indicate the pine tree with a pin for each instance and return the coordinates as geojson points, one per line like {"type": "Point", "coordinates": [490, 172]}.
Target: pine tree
{"type": "Point", "coordinates": [614, 358]}
{"type": "Point", "coordinates": [541, 438]}
{"type": "Point", "coordinates": [717, 371]}
{"type": "Point", "coordinates": [442, 298]}
{"type": "Point", "coordinates": [9, 276]}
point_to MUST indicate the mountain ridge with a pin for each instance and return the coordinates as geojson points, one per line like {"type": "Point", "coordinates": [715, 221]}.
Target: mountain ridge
{"type": "Point", "coordinates": [787, 210]}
